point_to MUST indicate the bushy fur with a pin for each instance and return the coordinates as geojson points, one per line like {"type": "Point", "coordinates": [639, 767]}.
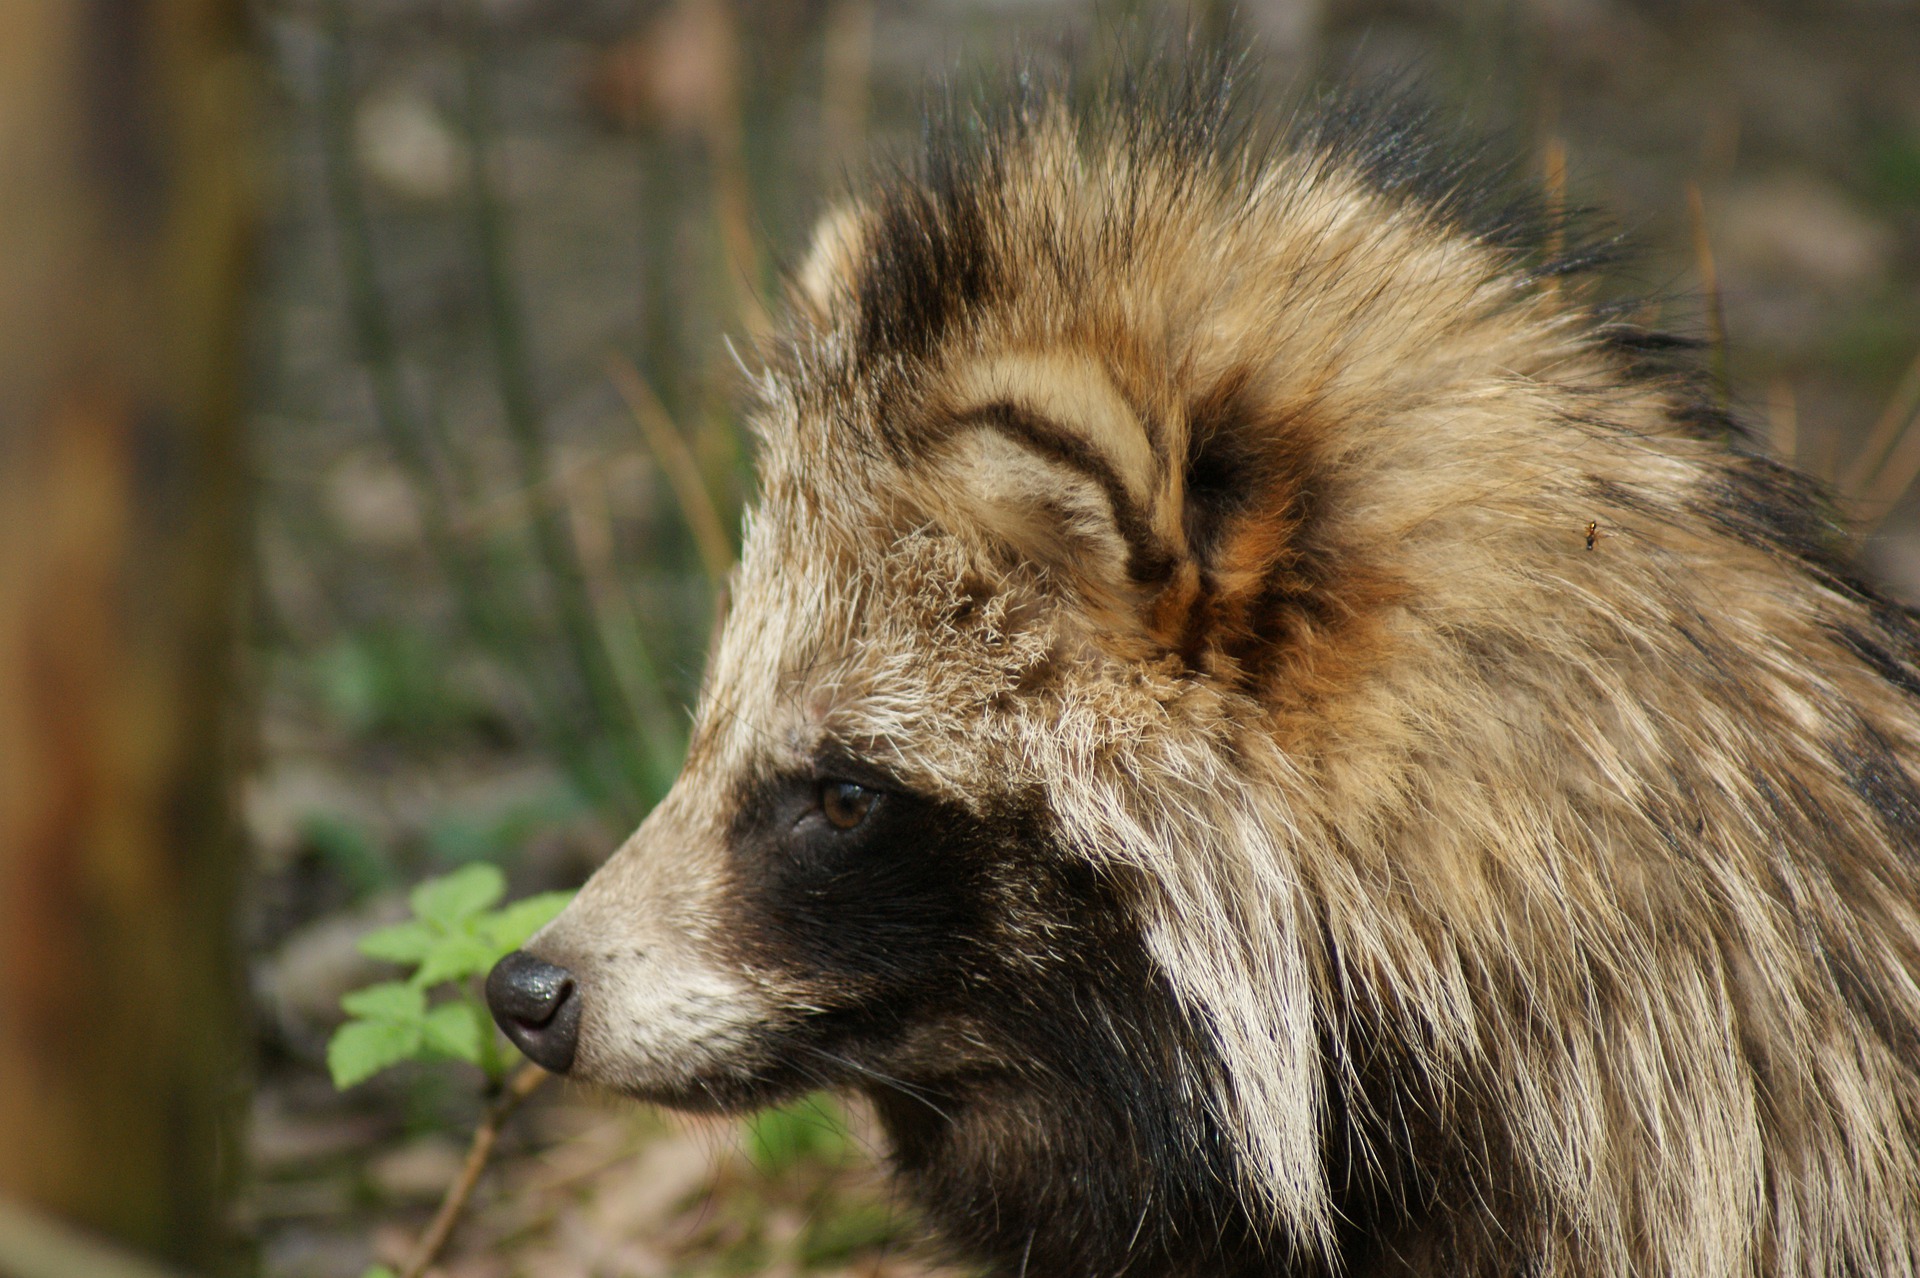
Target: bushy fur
{"type": "Point", "coordinates": [1301, 846]}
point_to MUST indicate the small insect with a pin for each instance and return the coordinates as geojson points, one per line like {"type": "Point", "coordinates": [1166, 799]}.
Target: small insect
{"type": "Point", "coordinates": [1593, 532]}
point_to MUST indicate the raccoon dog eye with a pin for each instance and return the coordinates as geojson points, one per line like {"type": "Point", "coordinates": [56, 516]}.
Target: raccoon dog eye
{"type": "Point", "coordinates": [844, 804]}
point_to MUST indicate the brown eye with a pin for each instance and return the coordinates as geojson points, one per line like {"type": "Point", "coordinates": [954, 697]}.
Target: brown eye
{"type": "Point", "coordinates": [845, 804]}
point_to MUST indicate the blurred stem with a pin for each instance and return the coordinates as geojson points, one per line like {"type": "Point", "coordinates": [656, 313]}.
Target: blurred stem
{"type": "Point", "coordinates": [1871, 461]}
{"type": "Point", "coordinates": [493, 1062]}
{"type": "Point", "coordinates": [1894, 476]}
{"type": "Point", "coordinates": [1554, 167]}
{"type": "Point", "coordinates": [683, 473]}
{"type": "Point", "coordinates": [518, 1088]}
{"type": "Point", "coordinates": [1783, 420]}
{"type": "Point", "coordinates": [732, 195]}
{"type": "Point", "coordinates": [638, 734]}
{"type": "Point", "coordinates": [494, 626]}
{"type": "Point", "coordinates": [1710, 283]}
{"type": "Point", "coordinates": [661, 169]}
{"type": "Point", "coordinates": [847, 90]}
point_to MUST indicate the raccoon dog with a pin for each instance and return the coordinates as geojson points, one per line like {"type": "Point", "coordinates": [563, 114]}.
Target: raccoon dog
{"type": "Point", "coordinates": [1269, 733]}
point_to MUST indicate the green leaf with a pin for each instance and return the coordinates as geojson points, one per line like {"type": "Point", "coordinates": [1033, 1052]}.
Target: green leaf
{"type": "Point", "coordinates": [455, 898]}
{"type": "Point", "coordinates": [349, 848]}
{"type": "Point", "coordinates": [402, 943]}
{"type": "Point", "coordinates": [509, 929]}
{"type": "Point", "coordinates": [837, 1236]}
{"type": "Point", "coordinates": [392, 1001]}
{"type": "Point", "coordinates": [458, 1029]}
{"type": "Point", "coordinates": [361, 1049]}
{"type": "Point", "coordinates": [349, 683]}
{"type": "Point", "coordinates": [379, 1271]}
{"type": "Point", "coordinates": [811, 1128]}
{"type": "Point", "coordinates": [454, 958]}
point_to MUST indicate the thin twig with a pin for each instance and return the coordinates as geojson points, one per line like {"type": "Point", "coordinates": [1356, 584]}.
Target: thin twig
{"type": "Point", "coordinates": [1891, 481]}
{"type": "Point", "coordinates": [562, 486]}
{"type": "Point", "coordinates": [635, 733]}
{"type": "Point", "coordinates": [1710, 282]}
{"type": "Point", "coordinates": [519, 1087]}
{"type": "Point", "coordinates": [591, 516]}
{"type": "Point", "coordinates": [1872, 457]}
{"type": "Point", "coordinates": [847, 90]}
{"type": "Point", "coordinates": [1783, 420]}
{"type": "Point", "coordinates": [682, 472]}
{"type": "Point", "coordinates": [1554, 164]}
{"type": "Point", "coordinates": [726, 139]}
{"type": "Point", "coordinates": [494, 622]}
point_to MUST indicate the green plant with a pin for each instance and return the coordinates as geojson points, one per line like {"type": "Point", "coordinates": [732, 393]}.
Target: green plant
{"type": "Point", "coordinates": [348, 849]}
{"type": "Point", "coordinates": [456, 935]}
{"type": "Point", "coordinates": [813, 1127]}
{"type": "Point", "coordinates": [458, 931]}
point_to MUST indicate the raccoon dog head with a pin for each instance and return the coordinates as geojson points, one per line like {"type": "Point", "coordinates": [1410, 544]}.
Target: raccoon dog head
{"type": "Point", "coordinates": [1150, 525]}
{"type": "Point", "coordinates": [1046, 614]}
{"type": "Point", "coordinates": [978, 812]}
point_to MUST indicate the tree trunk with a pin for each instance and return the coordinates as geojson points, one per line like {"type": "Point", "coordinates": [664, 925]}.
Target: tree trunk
{"type": "Point", "coordinates": [123, 230]}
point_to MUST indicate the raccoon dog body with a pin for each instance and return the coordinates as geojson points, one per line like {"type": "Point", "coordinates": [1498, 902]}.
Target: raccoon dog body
{"type": "Point", "coordinates": [1270, 734]}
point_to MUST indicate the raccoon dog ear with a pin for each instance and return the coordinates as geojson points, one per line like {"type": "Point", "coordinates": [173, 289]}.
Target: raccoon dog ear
{"type": "Point", "coordinates": [831, 269]}
{"type": "Point", "coordinates": [1044, 455]}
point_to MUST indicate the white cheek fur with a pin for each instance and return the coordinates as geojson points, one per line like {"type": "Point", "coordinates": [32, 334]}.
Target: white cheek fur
{"type": "Point", "coordinates": [660, 1021]}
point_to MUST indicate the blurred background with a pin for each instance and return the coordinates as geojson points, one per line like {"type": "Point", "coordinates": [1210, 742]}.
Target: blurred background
{"type": "Point", "coordinates": [505, 252]}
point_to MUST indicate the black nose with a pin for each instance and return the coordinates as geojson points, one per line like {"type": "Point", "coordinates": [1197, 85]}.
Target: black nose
{"type": "Point", "coordinates": [535, 1003]}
